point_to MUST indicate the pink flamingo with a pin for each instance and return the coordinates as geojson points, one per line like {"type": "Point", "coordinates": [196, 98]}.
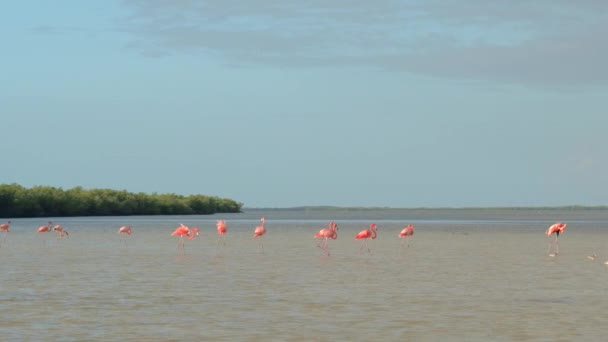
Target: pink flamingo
{"type": "Point", "coordinates": [222, 229]}
{"type": "Point", "coordinates": [259, 232]}
{"type": "Point", "coordinates": [5, 227]}
{"type": "Point", "coordinates": [406, 233]}
{"type": "Point", "coordinates": [182, 231]}
{"type": "Point", "coordinates": [557, 228]}
{"type": "Point", "coordinates": [366, 235]}
{"type": "Point", "coordinates": [329, 232]}
{"type": "Point", "coordinates": [60, 232]}
{"type": "Point", "coordinates": [125, 230]}
{"type": "Point", "coordinates": [44, 229]}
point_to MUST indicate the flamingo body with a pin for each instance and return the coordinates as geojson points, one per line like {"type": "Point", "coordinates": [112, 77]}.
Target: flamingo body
{"type": "Point", "coordinates": [124, 230]}
{"type": "Point", "coordinates": [260, 230]}
{"type": "Point", "coordinates": [45, 228]}
{"type": "Point", "coordinates": [367, 233]}
{"type": "Point", "coordinates": [407, 231]}
{"type": "Point", "coordinates": [222, 227]}
{"type": "Point", "coordinates": [5, 227]}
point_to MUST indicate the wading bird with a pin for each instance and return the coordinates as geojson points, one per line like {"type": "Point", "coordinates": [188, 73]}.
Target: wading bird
{"type": "Point", "coordinates": [183, 231]}
{"type": "Point", "coordinates": [329, 232]}
{"type": "Point", "coordinates": [125, 230]}
{"type": "Point", "coordinates": [222, 229]}
{"type": "Point", "coordinates": [44, 229]}
{"type": "Point", "coordinates": [366, 235]}
{"type": "Point", "coordinates": [58, 229]}
{"type": "Point", "coordinates": [5, 227]}
{"type": "Point", "coordinates": [557, 228]}
{"type": "Point", "coordinates": [406, 233]}
{"type": "Point", "coordinates": [259, 232]}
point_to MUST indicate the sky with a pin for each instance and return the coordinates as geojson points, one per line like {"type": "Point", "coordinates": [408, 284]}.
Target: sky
{"type": "Point", "coordinates": [387, 103]}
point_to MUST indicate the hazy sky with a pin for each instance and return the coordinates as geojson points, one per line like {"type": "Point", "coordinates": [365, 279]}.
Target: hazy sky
{"type": "Point", "coordinates": [278, 103]}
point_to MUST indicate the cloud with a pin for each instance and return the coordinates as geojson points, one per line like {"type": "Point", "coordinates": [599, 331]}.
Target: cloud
{"type": "Point", "coordinates": [545, 42]}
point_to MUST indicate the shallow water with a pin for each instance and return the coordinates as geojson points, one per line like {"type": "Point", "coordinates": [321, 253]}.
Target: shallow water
{"type": "Point", "coordinates": [473, 280]}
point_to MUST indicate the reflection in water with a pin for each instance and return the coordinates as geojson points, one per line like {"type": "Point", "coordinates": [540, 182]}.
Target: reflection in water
{"type": "Point", "coordinates": [463, 281]}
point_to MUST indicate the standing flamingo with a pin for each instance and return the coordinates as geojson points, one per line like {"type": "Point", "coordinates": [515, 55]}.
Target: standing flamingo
{"type": "Point", "coordinates": [259, 231]}
{"type": "Point", "coordinates": [366, 235]}
{"type": "Point", "coordinates": [44, 229]}
{"type": "Point", "coordinates": [182, 231]}
{"type": "Point", "coordinates": [126, 231]}
{"type": "Point", "coordinates": [406, 233]}
{"type": "Point", "coordinates": [557, 228]}
{"type": "Point", "coordinates": [5, 227]}
{"type": "Point", "coordinates": [329, 232]}
{"type": "Point", "coordinates": [222, 229]}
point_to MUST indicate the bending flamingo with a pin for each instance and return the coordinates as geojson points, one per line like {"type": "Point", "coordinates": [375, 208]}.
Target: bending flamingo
{"type": "Point", "coordinates": [259, 232]}
{"type": "Point", "coordinates": [125, 230]}
{"type": "Point", "coordinates": [60, 232]}
{"type": "Point", "coordinates": [557, 228]}
{"type": "Point", "coordinates": [182, 231]}
{"type": "Point", "coordinates": [366, 235]}
{"type": "Point", "coordinates": [222, 229]}
{"type": "Point", "coordinates": [406, 233]}
{"type": "Point", "coordinates": [329, 232]}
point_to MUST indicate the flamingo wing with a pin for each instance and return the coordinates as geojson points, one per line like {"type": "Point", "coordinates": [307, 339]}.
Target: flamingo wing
{"type": "Point", "coordinates": [182, 230]}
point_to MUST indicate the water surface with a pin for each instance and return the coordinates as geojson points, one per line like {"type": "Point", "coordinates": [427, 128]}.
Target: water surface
{"type": "Point", "coordinates": [475, 279]}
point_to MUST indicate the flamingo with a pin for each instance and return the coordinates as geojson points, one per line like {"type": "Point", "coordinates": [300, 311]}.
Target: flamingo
{"type": "Point", "coordinates": [60, 232]}
{"type": "Point", "coordinates": [182, 231]}
{"type": "Point", "coordinates": [406, 233]}
{"type": "Point", "coordinates": [44, 229]}
{"type": "Point", "coordinates": [329, 232]}
{"type": "Point", "coordinates": [365, 235]}
{"type": "Point", "coordinates": [5, 227]}
{"type": "Point", "coordinates": [222, 229]}
{"type": "Point", "coordinates": [259, 231]}
{"type": "Point", "coordinates": [557, 228]}
{"type": "Point", "coordinates": [124, 230]}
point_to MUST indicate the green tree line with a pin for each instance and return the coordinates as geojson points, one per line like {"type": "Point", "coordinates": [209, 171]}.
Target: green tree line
{"type": "Point", "coordinates": [47, 201]}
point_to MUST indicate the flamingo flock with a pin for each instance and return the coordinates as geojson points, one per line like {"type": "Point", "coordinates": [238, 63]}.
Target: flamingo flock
{"type": "Point", "coordinates": [324, 235]}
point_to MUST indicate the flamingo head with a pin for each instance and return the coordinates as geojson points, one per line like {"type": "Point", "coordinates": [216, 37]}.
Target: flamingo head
{"type": "Point", "coordinates": [195, 231]}
{"type": "Point", "coordinates": [373, 226]}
